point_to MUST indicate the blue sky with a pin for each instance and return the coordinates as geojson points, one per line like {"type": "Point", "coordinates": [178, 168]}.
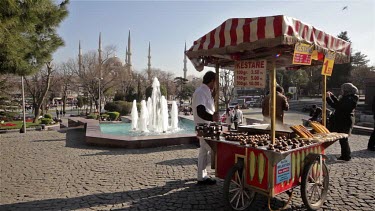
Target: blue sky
{"type": "Point", "coordinates": [168, 24]}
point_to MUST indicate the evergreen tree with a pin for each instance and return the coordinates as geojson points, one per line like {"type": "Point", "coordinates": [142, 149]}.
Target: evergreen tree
{"type": "Point", "coordinates": [341, 72]}
{"type": "Point", "coordinates": [28, 34]}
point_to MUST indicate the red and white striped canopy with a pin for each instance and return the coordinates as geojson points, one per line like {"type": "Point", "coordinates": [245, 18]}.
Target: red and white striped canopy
{"type": "Point", "coordinates": [243, 38]}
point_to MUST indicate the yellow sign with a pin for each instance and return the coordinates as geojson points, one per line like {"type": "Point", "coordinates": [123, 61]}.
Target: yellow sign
{"type": "Point", "coordinates": [302, 54]}
{"type": "Point", "coordinates": [328, 63]}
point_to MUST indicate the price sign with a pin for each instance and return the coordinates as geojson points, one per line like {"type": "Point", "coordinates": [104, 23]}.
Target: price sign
{"type": "Point", "coordinates": [328, 63]}
{"type": "Point", "coordinates": [302, 54]}
{"type": "Point", "coordinates": [250, 73]}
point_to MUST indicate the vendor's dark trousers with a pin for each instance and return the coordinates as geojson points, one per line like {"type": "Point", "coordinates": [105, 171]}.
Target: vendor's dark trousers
{"type": "Point", "coordinates": [371, 142]}
{"type": "Point", "coordinates": [235, 125]}
{"type": "Point", "coordinates": [345, 148]}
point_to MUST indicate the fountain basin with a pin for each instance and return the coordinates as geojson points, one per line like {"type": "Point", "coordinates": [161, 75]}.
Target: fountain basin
{"type": "Point", "coordinates": [94, 136]}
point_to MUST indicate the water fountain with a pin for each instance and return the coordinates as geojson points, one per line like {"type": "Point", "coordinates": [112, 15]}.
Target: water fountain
{"type": "Point", "coordinates": [154, 114]}
{"type": "Point", "coordinates": [134, 115]}
{"type": "Point", "coordinates": [149, 127]}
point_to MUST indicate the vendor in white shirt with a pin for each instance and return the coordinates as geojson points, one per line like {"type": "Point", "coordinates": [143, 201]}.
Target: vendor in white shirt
{"type": "Point", "coordinates": [204, 112]}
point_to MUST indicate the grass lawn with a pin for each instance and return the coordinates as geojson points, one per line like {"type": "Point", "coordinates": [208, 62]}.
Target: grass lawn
{"type": "Point", "coordinates": [18, 125]}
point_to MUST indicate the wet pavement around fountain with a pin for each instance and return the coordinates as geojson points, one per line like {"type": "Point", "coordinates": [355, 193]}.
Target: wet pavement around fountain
{"type": "Point", "coordinates": [49, 171]}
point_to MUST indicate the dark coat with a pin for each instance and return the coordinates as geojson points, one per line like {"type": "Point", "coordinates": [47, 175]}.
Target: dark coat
{"type": "Point", "coordinates": [342, 120]}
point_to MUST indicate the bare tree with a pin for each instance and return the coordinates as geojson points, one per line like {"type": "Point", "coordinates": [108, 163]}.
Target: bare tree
{"type": "Point", "coordinates": [113, 72]}
{"type": "Point", "coordinates": [226, 86]}
{"type": "Point", "coordinates": [38, 85]}
{"type": "Point", "coordinates": [165, 78]}
{"type": "Point", "coordinates": [8, 84]}
{"type": "Point", "coordinates": [66, 79]}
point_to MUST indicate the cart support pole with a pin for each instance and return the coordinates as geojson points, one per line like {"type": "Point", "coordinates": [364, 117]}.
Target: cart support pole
{"type": "Point", "coordinates": [217, 88]}
{"type": "Point", "coordinates": [324, 100]}
{"type": "Point", "coordinates": [273, 101]}
{"type": "Point", "coordinates": [216, 98]}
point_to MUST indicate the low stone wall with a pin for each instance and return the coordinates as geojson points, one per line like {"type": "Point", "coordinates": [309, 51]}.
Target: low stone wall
{"type": "Point", "coordinates": [94, 136]}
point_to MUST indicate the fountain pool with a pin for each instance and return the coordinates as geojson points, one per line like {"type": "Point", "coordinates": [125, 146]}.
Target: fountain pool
{"type": "Point", "coordinates": [185, 126]}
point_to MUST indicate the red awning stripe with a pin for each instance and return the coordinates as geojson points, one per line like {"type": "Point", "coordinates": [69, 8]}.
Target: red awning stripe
{"type": "Point", "coordinates": [261, 32]}
{"type": "Point", "coordinates": [277, 26]}
{"type": "Point", "coordinates": [246, 30]}
{"type": "Point", "coordinates": [233, 32]}
{"type": "Point", "coordinates": [221, 35]}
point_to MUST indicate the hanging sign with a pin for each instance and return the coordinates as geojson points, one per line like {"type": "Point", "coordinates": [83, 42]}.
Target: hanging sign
{"type": "Point", "coordinates": [328, 63]}
{"type": "Point", "coordinates": [302, 54]}
{"type": "Point", "coordinates": [250, 73]}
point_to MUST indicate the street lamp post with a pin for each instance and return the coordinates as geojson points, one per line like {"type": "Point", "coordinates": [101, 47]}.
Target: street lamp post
{"type": "Point", "coordinates": [99, 95]}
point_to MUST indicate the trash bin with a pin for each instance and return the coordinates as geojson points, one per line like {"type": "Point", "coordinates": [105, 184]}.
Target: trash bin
{"type": "Point", "coordinates": [43, 126]}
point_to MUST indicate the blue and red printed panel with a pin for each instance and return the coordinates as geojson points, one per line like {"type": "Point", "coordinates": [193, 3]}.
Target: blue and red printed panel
{"type": "Point", "coordinates": [287, 173]}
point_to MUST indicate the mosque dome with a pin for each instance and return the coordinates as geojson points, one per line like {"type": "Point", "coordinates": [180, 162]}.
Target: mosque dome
{"type": "Point", "coordinates": [114, 61]}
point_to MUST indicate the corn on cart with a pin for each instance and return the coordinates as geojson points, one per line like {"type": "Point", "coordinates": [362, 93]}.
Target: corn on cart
{"type": "Point", "coordinates": [267, 163]}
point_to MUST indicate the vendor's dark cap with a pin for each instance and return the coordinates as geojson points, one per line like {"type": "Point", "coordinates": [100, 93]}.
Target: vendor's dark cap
{"type": "Point", "coordinates": [208, 77]}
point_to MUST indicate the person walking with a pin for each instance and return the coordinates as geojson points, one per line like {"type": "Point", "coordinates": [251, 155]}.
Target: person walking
{"type": "Point", "coordinates": [237, 117]}
{"type": "Point", "coordinates": [229, 118]}
{"type": "Point", "coordinates": [204, 112]}
{"type": "Point", "coordinates": [281, 106]}
{"type": "Point", "coordinates": [57, 113]}
{"type": "Point", "coordinates": [371, 141]}
{"type": "Point", "coordinates": [342, 120]}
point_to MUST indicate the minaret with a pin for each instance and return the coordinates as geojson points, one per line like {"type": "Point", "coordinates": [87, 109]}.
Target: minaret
{"type": "Point", "coordinates": [129, 52]}
{"type": "Point", "coordinates": [79, 56]}
{"type": "Point", "coordinates": [100, 51]}
{"type": "Point", "coordinates": [126, 56]}
{"type": "Point", "coordinates": [185, 68]}
{"type": "Point", "coordinates": [149, 62]}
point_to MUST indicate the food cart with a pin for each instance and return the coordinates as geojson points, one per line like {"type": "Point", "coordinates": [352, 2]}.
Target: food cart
{"type": "Point", "coordinates": [269, 165]}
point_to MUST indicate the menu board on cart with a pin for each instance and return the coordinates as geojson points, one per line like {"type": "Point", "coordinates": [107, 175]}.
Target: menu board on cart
{"type": "Point", "coordinates": [302, 54]}
{"type": "Point", "coordinates": [250, 73]}
{"type": "Point", "coordinates": [283, 170]}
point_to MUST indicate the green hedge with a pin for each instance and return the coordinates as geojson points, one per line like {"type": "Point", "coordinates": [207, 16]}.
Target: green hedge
{"type": "Point", "coordinates": [104, 116]}
{"type": "Point", "coordinates": [123, 107]}
{"type": "Point", "coordinates": [46, 121]}
{"type": "Point", "coordinates": [92, 116]}
{"type": "Point", "coordinates": [113, 115]}
{"type": "Point", "coordinates": [48, 116]}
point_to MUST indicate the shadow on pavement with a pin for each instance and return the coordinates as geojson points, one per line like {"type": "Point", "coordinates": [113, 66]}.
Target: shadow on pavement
{"type": "Point", "coordinates": [48, 140]}
{"type": "Point", "coordinates": [180, 162]}
{"type": "Point", "coordinates": [364, 153]}
{"type": "Point", "coordinates": [175, 195]}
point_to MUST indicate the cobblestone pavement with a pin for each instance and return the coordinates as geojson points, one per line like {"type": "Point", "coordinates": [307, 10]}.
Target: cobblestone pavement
{"type": "Point", "coordinates": [47, 171]}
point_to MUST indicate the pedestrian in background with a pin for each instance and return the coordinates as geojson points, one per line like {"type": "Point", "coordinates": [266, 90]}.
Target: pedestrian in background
{"type": "Point", "coordinates": [57, 113]}
{"type": "Point", "coordinates": [281, 106]}
{"type": "Point", "coordinates": [237, 117]}
{"type": "Point", "coordinates": [342, 120]}
{"type": "Point", "coordinates": [229, 118]}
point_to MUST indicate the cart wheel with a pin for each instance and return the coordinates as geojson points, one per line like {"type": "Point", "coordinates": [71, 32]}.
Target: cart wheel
{"type": "Point", "coordinates": [313, 187]}
{"type": "Point", "coordinates": [236, 195]}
